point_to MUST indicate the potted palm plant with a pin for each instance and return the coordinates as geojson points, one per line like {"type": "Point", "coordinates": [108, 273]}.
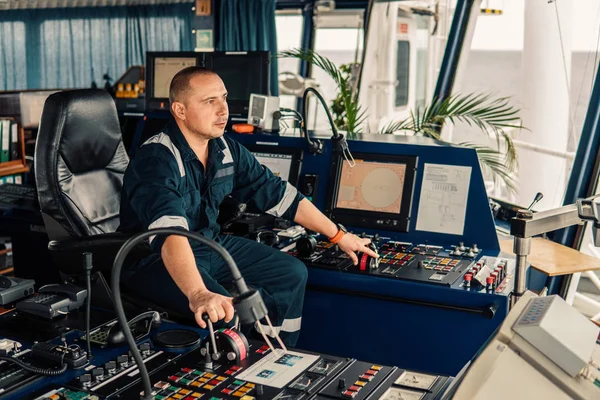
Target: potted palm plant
{"type": "Point", "coordinates": [494, 116]}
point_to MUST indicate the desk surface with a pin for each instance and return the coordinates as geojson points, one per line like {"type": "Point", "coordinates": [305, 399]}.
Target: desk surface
{"type": "Point", "coordinates": [555, 259]}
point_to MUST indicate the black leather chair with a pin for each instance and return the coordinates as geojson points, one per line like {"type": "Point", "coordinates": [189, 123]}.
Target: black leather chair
{"type": "Point", "coordinates": [80, 160]}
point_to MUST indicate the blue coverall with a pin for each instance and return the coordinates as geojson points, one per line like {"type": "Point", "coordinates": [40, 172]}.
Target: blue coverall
{"type": "Point", "coordinates": [165, 185]}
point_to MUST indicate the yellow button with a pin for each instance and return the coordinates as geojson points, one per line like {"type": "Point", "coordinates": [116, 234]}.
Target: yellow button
{"type": "Point", "coordinates": [196, 394]}
{"type": "Point", "coordinates": [203, 380]}
{"type": "Point", "coordinates": [360, 383]}
{"type": "Point", "coordinates": [185, 391]}
{"type": "Point", "coordinates": [238, 394]}
{"type": "Point", "coordinates": [209, 387]}
{"type": "Point", "coordinates": [177, 396]}
{"type": "Point", "coordinates": [196, 384]}
{"type": "Point", "coordinates": [245, 389]}
{"type": "Point", "coordinates": [247, 398]}
{"type": "Point", "coordinates": [376, 367]}
{"type": "Point", "coordinates": [250, 385]}
{"type": "Point", "coordinates": [54, 397]}
{"type": "Point", "coordinates": [221, 378]}
{"type": "Point", "coordinates": [209, 375]}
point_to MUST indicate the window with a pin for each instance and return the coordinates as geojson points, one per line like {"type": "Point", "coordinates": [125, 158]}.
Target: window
{"type": "Point", "coordinates": [339, 37]}
{"type": "Point", "coordinates": [289, 36]}
{"type": "Point", "coordinates": [402, 72]}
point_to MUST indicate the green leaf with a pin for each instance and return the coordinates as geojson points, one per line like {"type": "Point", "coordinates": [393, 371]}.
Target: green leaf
{"type": "Point", "coordinates": [492, 116]}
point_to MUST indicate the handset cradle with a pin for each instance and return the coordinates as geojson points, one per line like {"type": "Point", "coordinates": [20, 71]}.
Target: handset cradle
{"type": "Point", "coordinates": [53, 300]}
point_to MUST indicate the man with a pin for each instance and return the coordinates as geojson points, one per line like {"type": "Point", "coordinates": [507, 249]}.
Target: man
{"type": "Point", "coordinates": [178, 178]}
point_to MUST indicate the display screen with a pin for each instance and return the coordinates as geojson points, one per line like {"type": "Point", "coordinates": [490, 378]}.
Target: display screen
{"type": "Point", "coordinates": [258, 107]}
{"type": "Point", "coordinates": [241, 74]}
{"type": "Point", "coordinates": [284, 162]}
{"type": "Point", "coordinates": [376, 192]}
{"type": "Point", "coordinates": [279, 164]}
{"type": "Point", "coordinates": [371, 186]}
{"type": "Point", "coordinates": [165, 69]}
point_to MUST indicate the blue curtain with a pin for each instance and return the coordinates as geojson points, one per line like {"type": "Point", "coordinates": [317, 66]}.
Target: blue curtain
{"type": "Point", "coordinates": [246, 25]}
{"type": "Point", "coordinates": [71, 47]}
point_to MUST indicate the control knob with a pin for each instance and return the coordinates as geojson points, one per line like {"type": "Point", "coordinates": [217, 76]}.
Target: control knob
{"type": "Point", "coordinates": [306, 246]}
{"type": "Point", "coordinates": [85, 380]}
{"type": "Point", "coordinates": [110, 367]}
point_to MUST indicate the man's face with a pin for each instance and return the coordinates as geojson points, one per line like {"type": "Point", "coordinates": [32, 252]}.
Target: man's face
{"type": "Point", "coordinates": [204, 112]}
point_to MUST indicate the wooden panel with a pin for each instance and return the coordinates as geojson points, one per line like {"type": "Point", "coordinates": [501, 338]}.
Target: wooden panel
{"type": "Point", "coordinates": [555, 259]}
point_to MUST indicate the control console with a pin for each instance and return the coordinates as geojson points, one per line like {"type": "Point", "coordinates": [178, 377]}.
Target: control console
{"type": "Point", "coordinates": [259, 372]}
{"type": "Point", "coordinates": [399, 260]}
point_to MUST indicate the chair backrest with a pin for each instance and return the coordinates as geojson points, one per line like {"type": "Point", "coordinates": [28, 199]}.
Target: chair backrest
{"type": "Point", "coordinates": [79, 164]}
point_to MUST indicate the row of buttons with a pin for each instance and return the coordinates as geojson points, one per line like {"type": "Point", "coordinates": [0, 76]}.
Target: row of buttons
{"type": "Point", "coordinates": [232, 370]}
{"type": "Point", "coordinates": [441, 261]}
{"type": "Point", "coordinates": [439, 268]}
{"type": "Point", "coordinates": [263, 349]}
{"type": "Point", "coordinates": [362, 381]}
{"type": "Point", "coordinates": [239, 389]}
{"type": "Point", "coordinates": [400, 263]}
{"type": "Point", "coordinates": [197, 379]}
{"type": "Point", "coordinates": [397, 256]}
{"type": "Point", "coordinates": [170, 392]}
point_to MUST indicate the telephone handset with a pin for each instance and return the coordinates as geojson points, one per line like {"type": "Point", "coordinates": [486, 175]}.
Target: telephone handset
{"type": "Point", "coordinates": [53, 300]}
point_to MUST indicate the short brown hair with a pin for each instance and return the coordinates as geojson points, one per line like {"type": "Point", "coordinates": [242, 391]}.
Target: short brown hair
{"type": "Point", "coordinates": [180, 85]}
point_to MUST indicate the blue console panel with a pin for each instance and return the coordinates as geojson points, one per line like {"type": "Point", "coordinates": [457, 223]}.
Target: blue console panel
{"type": "Point", "coordinates": [404, 314]}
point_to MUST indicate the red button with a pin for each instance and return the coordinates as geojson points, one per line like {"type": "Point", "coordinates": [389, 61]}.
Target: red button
{"type": "Point", "coordinates": [228, 372]}
{"type": "Point", "coordinates": [226, 391]}
{"type": "Point", "coordinates": [214, 382]}
{"type": "Point", "coordinates": [187, 370]}
{"type": "Point", "coordinates": [371, 372]}
{"type": "Point", "coordinates": [234, 368]}
{"type": "Point", "coordinates": [366, 377]}
{"type": "Point", "coordinates": [468, 277]}
{"type": "Point", "coordinates": [349, 393]}
{"type": "Point", "coordinates": [354, 387]}
{"type": "Point", "coordinates": [173, 378]}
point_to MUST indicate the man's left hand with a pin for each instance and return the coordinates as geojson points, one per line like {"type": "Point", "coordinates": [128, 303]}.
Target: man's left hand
{"type": "Point", "coordinates": [350, 244]}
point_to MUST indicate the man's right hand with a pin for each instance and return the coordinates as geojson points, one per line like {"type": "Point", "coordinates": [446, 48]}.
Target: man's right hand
{"type": "Point", "coordinates": [217, 307]}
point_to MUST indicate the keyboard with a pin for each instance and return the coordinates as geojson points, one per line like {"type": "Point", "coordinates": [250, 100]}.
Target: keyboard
{"type": "Point", "coordinates": [18, 196]}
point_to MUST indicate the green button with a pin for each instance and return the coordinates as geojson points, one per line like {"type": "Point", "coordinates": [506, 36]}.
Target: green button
{"type": "Point", "coordinates": [236, 382]}
{"type": "Point", "coordinates": [185, 381]}
{"type": "Point", "coordinates": [196, 372]}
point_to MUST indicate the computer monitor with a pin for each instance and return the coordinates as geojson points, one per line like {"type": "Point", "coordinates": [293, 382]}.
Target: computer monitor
{"type": "Point", "coordinates": [161, 67]}
{"type": "Point", "coordinates": [375, 193]}
{"type": "Point", "coordinates": [243, 73]}
{"type": "Point", "coordinates": [284, 162]}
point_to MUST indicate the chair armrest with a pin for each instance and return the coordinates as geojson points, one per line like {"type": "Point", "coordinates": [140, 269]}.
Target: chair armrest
{"type": "Point", "coordinates": [68, 253]}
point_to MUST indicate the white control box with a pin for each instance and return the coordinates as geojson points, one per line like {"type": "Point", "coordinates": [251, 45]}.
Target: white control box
{"type": "Point", "coordinates": [559, 332]}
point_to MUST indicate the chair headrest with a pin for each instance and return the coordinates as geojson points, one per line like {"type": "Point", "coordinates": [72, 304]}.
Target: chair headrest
{"type": "Point", "coordinates": [83, 126]}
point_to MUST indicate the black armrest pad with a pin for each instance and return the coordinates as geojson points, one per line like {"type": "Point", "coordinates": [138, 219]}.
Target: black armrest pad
{"type": "Point", "coordinates": [89, 243]}
{"type": "Point", "coordinates": [68, 253]}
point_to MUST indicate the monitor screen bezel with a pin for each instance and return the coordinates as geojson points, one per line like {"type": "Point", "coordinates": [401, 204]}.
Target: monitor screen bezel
{"type": "Point", "coordinates": [373, 219]}
{"type": "Point", "coordinates": [162, 103]}
{"type": "Point", "coordinates": [296, 154]}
